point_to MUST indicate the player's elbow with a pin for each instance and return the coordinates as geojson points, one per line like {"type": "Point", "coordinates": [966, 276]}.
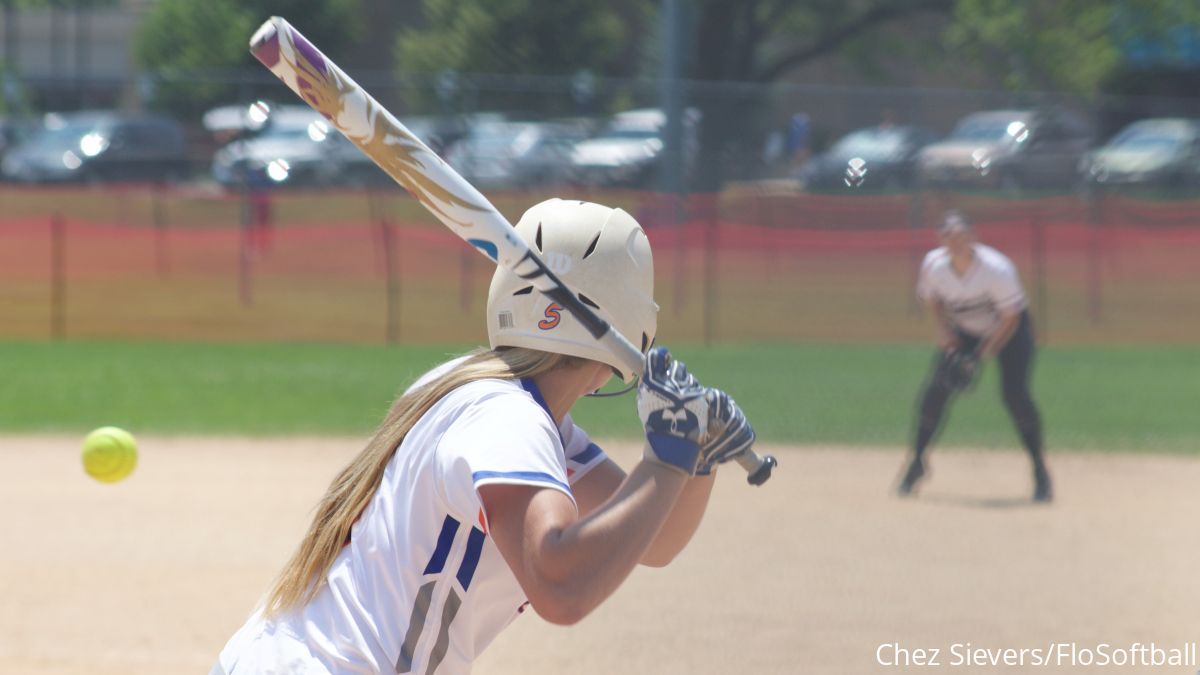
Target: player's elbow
{"type": "Point", "coordinates": [561, 609]}
{"type": "Point", "coordinates": [658, 558]}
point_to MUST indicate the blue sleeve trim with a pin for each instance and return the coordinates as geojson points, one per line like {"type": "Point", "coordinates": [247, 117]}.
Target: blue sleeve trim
{"type": "Point", "coordinates": [592, 451]}
{"type": "Point", "coordinates": [533, 476]}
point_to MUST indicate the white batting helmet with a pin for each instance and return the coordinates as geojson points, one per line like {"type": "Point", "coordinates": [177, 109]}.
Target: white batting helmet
{"type": "Point", "coordinates": [602, 255]}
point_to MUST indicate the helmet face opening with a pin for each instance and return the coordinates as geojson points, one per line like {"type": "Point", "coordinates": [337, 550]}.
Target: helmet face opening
{"type": "Point", "coordinates": [601, 254]}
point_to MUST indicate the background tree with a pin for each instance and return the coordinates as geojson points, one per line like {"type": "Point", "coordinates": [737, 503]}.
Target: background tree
{"type": "Point", "coordinates": [195, 54]}
{"type": "Point", "coordinates": [531, 39]}
{"type": "Point", "coordinates": [1069, 46]}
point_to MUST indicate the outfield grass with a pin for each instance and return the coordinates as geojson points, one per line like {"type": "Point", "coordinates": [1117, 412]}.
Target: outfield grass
{"type": "Point", "coordinates": [1141, 399]}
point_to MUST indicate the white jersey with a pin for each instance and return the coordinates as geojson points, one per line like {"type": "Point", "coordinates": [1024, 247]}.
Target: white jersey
{"type": "Point", "coordinates": [420, 587]}
{"type": "Point", "coordinates": [972, 301]}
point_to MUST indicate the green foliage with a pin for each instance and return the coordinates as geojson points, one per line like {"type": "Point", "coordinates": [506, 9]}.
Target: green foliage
{"type": "Point", "coordinates": [13, 97]}
{"type": "Point", "coordinates": [521, 37]}
{"type": "Point", "coordinates": [63, 4]}
{"type": "Point", "coordinates": [1067, 45]}
{"type": "Point", "coordinates": [190, 50]}
{"type": "Point", "coordinates": [1071, 45]}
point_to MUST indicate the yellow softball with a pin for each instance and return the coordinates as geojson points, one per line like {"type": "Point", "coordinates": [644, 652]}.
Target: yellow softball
{"type": "Point", "coordinates": [109, 454]}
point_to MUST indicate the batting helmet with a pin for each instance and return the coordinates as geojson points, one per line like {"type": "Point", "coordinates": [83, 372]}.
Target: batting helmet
{"type": "Point", "coordinates": [602, 255]}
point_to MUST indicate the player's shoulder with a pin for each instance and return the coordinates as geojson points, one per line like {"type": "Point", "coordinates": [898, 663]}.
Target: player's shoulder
{"type": "Point", "coordinates": [993, 258]}
{"type": "Point", "coordinates": [938, 257]}
{"type": "Point", "coordinates": [438, 371]}
{"type": "Point", "coordinates": [486, 402]}
{"type": "Point", "coordinates": [497, 393]}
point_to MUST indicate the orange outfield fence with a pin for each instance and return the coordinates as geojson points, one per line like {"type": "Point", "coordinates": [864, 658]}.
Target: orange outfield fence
{"type": "Point", "coordinates": [753, 264]}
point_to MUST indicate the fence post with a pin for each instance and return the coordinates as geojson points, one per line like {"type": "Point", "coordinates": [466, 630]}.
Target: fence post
{"type": "Point", "coordinates": [1038, 234]}
{"type": "Point", "coordinates": [916, 222]}
{"type": "Point", "coordinates": [245, 250]}
{"type": "Point", "coordinates": [465, 258]}
{"type": "Point", "coordinates": [1094, 280]}
{"type": "Point", "coordinates": [678, 213]}
{"type": "Point", "coordinates": [162, 263]}
{"type": "Point", "coordinates": [711, 220]}
{"type": "Point", "coordinates": [58, 280]}
{"type": "Point", "coordinates": [392, 283]}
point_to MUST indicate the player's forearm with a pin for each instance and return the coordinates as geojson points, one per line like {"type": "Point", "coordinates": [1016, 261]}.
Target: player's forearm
{"type": "Point", "coordinates": [942, 334]}
{"type": "Point", "coordinates": [1000, 336]}
{"type": "Point", "coordinates": [584, 563]}
{"type": "Point", "coordinates": [682, 523]}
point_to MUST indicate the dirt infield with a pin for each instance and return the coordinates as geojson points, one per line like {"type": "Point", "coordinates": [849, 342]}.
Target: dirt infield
{"type": "Point", "coordinates": [812, 573]}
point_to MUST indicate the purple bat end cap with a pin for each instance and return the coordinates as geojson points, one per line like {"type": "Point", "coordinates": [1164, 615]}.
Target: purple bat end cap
{"type": "Point", "coordinates": [310, 52]}
{"type": "Point", "coordinates": [267, 51]}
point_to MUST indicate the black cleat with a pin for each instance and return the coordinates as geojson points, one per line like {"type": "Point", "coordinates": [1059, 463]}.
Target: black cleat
{"type": "Point", "coordinates": [916, 471]}
{"type": "Point", "coordinates": [1043, 490]}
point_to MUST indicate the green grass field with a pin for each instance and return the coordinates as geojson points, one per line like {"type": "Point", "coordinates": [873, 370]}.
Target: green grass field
{"type": "Point", "coordinates": [1140, 399]}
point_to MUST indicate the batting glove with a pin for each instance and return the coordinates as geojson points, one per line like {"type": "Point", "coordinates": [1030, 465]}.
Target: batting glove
{"type": "Point", "coordinates": [674, 411]}
{"type": "Point", "coordinates": [728, 434]}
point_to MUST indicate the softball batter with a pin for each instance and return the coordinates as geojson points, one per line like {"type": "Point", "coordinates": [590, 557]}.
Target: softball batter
{"type": "Point", "coordinates": [975, 298]}
{"type": "Point", "coordinates": [478, 496]}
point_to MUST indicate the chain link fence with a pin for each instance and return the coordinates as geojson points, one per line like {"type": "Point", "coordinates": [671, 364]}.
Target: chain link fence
{"type": "Point", "coordinates": [773, 254]}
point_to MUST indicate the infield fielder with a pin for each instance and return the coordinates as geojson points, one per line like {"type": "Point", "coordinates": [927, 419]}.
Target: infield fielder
{"type": "Point", "coordinates": [979, 308]}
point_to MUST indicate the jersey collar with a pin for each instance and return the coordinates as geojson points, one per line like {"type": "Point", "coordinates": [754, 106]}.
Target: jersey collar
{"type": "Point", "coordinates": [975, 263]}
{"type": "Point", "coordinates": [530, 386]}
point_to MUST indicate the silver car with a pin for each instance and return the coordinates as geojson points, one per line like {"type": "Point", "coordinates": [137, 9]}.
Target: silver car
{"type": "Point", "coordinates": [515, 154]}
{"type": "Point", "coordinates": [295, 147]}
{"type": "Point", "coordinates": [1008, 149]}
{"type": "Point", "coordinates": [628, 151]}
{"type": "Point", "coordinates": [1161, 152]}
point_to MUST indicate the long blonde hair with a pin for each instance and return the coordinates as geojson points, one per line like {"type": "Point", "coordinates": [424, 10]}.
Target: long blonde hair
{"type": "Point", "coordinates": [353, 488]}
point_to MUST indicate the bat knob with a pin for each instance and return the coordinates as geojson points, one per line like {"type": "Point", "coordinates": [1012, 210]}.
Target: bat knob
{"type": "Point", "coordinates": [763, 472]}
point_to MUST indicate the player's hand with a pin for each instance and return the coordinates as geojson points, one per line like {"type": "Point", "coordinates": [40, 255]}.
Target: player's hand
{"type": "Point", "coordinates": [674, 411]}
{"type": "Point", "coordinates": [947, 341]}
{"type": "Point", "coordinates": [728, 434]}
{"type": "Point", "coordinates": [958, 369]}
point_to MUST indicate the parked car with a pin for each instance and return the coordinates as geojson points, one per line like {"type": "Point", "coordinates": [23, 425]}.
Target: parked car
{"type": "Point", "coordinates": [438, 132]}
{"type": "Point", "coordinates": [628, 151]}
{"type": "Point", "coordinates": [874, 158]}
{"type": "Point", "coordinates": [516, 154]}
{"type": "Point", "coordinates": [296, 146]}
{"type": "Point", "coordinates": [1009, 149]}
{"type": "Point", "coordinates": [13, 130]}
{"type": "Point", "coordinates": [100, 146]}
{"type": "Point", "coordinates": [1161, 152]}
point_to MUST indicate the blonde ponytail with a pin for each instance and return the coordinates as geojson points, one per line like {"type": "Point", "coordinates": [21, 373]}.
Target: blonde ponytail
{"type": "Point", "coordinates": [353, 488]}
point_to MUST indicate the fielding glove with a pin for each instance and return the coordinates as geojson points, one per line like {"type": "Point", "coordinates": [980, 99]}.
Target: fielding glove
{"type": "Point", "coordinates": [957, 369]}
